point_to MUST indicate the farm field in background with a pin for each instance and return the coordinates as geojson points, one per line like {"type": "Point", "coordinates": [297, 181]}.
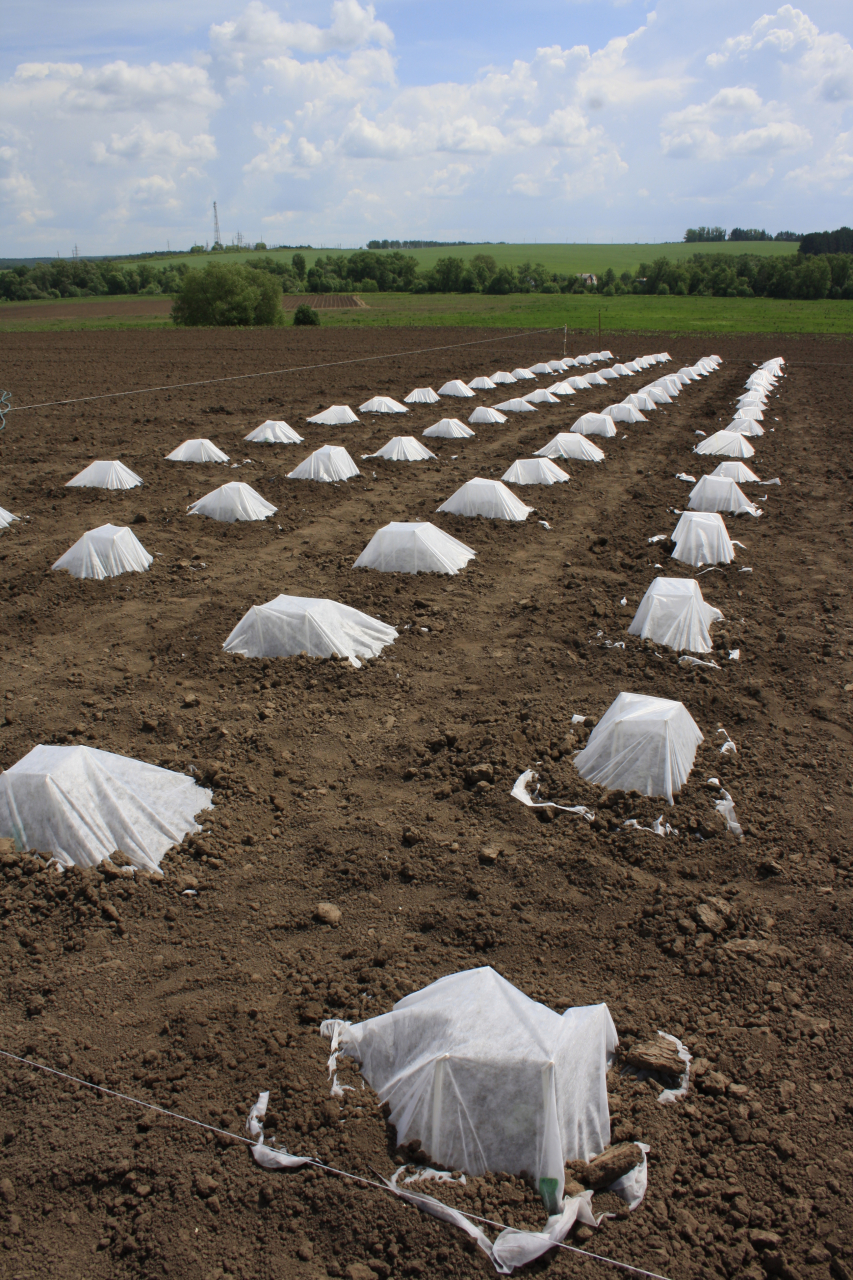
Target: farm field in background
{"type": "Point", "coordinates": [566, 258]}
{"type": "Point", "coordinates": [578, 311]}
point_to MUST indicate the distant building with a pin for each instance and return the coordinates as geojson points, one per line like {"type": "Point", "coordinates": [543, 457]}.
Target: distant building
{"type": "Point", "coordinates": [587, 278]}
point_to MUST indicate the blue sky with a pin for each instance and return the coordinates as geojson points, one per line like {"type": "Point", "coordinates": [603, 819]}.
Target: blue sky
{"type": "Point", "coordinates": [336, 122]}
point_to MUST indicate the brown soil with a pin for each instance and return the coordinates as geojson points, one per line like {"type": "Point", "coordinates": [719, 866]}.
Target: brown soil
{"type": "Point", "coordinates": [386, 792]}
{"type": "Point", "coordinates": [119, 308]}
{"type": "Point", "coordinates": [321, 301]}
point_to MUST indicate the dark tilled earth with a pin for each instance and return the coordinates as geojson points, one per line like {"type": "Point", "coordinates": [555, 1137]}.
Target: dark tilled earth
{"type": "Point", "coordinates": [385, 792]}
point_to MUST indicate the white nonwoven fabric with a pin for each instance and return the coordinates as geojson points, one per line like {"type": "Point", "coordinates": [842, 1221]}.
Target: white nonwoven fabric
{"type": "Point", "coordinates": [327, 464]}
{"type": "Point", "coordinates": [624, 412]}
{"type": "Point", "coordinates": [455, 388]}
{"type": "Point", "coordinates": [535, 471]}
{"type": "Point", "coordinates": [595, 380]}
{"type": "Point", "coordinates": [609, 375]}
{"type": "Point", "coordinates": [481, 384]}
{"type": "Point", "coordinates": [448, 429]}
{"type": "Point", "coordinates": [271, 432]}
{"type": "Point", "coordinates": [745, 427]}
{"type": "Point", "coordinates": [6, 518]}
{"type": "Point", "coordinates": [105, 475]}
{"type": "Point", "coordinates": [541, 396]}
{"type": "Point", "coordinates": [716, 493]}
{"type": "Point", "coordinates": [725, 444]}
{"type": "Point", "coordinates": [403, 449]}
{"type": "Point", "coordinates": [413, 547]}
{"type": "Point", "coordinates": [197, 451]}
{"type": "Point", "coordinates": [522, 375]}
{"type": "Point", "coordinates": [81, 805]}
{"type": "Point", "coordinates": [422, 395]}
{"type": "Point", "coordinates": [518, 404]}
{"type": "Point", "coordinates": [566, 445]}
{"type": "Point", "coordinates": [482, 414]}
{"type": "Point", "coordinates": [751, 410]}
{"type": "Point", "coordinates": [503, 377]}
{"type": "Point", "coordinates": [701, 537]}
{"type": "Point", "coordinates": [488, 1079]}
{"type": "Point", "coordinates": [641, 400]}
{"type": "Point", "coordinates": [488, 498]}
{"type": "Point", "coordinates": [673, 613]}
{"type": "Point", "coordinates": [594, 424]}
{"type": "Point", "coordinates": [337, 415]}
{"type": "Point", "coordinates": [382, 404]}
{"type": "Point", "coordinates": [578, 382]}
{"type": "Point", "coordinates": [561, 389]}
{"type": "Point", "coordinates": [105, 552]}
{"type": "Point", "coordinates": [541, 367]}
{"type": "Point", "coordinates": [231, 502]}
{"type": "Point", "coordinates": [641, 744]}
{"type": "Point", "coordinates": [737, 471]}
{"type": "Point", "coordinates": [322, 628]}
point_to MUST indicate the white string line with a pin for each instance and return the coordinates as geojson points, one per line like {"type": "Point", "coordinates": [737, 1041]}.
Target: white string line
{"type": "Point", "coordinates": [271, 373]}
{"type": "Point", "coordinates": [251, 1142]}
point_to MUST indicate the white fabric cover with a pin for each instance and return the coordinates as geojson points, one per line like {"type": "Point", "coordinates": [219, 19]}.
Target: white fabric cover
{"type": "Point", "coordinates": [641, 744]}
{"type": "Point", "coordinates": [455, 388]}
{"type": "Point", "coordinates": [657, 395]}
{"type": "Point", "coordinates": [105, 552]}
{"type": "Point", "coordinates": [489, 498]}
{"type": "Point", "coordinates": [6, 518]}
{"type": "Point", "coordinates": [481, 384]}
{"type": "Point", "coordinates": [336, 415]}
{"type": "Point", "coordinates": [271, 432]}
{"type": "Point", "coordinates": [541, 367]}
{"type": "Point", "coordinates": [482, 414]}
{"type": "Point", "coordinates": [716, 493]}
{"type": "Point", "coordinates": [541, 396]}
{"type": "Point", "coordinates": [535, 471]}
{"type": "Point", "coordinates": [448, 428]}
{"type": "Point", "coordinates": [578, 383]}
{"type": "Point", "coordinates": [608, 374]}
{"type": "Point", "coordinates": [105, 475]}
{"type": "Point", "coordinates": [561, 389]}
{"type": "Point", "coordinates": [726, 444]}
{"type": "Point", "coordinates": [737, 471]}
{"type": "Point", "coordinates": [557, 366]}
{"type": "Point", "coordinates": [641, 400]}
{"type": "Point", "coordinates": [594, 424]}
{"type": "Point", "coordinates": [595, 380]}
{"type": "Point", "coordinates": [750, 411]}
{"type": "Point", "coordinates": [327, 464]}
{"type": "Point", "coordinates": [584, 360]}
{"type": "Point", "coordinates": [623, 413]}
{"type": "Point", "coordinates": [234, 501]}
{"type": "Point", "coordinates": [197, 451]}
{"type": "Point", "coordinates": [701, 538]}
{"type": "Point", "coordinates": [382, 404]}
{"type": "Point", "coordinates": [503, 377]}
{"type": "Point", "coordinates": [517, 405]}
{"type": "Point", "coordinates": [322, 628]}
{"type": "Point", "coordinates": [403, 449]}
{"type": "Point", "coordinates": [672, 612]}
{"type": "Point", "coordinates": [745, 427]}
{"type": "Point", "coordinates": [566, 445]}
{"type": "Point", "coordinates": [522, 375]}
{"type": "Point", "coordinates": [422, 395]}
{"type": "Point", "coordinates": [688, 372]}
{"type": "Point", "coordinates": [623, 370]}
{"type": "Point", "coordinates": [488, 1079]}
{"type": "Point", "coordinates": [414, 547]}
{"type": "Point", "coordinates": [81, 805]}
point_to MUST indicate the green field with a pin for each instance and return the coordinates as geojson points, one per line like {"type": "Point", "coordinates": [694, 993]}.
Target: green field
{"type": "Point", "coordinates": [570, 259]}
{"type": "Point", "coordinates": [580, 312]}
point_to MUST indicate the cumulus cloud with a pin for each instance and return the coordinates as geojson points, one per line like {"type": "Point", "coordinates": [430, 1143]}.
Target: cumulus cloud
{"type": "Point", "coordinates": [260, 32]}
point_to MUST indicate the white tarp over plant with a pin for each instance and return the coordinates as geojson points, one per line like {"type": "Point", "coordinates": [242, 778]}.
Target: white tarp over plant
{"type": "Point", "coordinates": [701, 538]}
{"type": "Point", "coordinates": [403, 449]}
{"type": "Point", "coordinates": [6, 518]}
{"type": "Point", "coordinates": [422, 395]}
{"type": "Point", "coordinates": [521, 375]}
{"type": "Point", "coordinates": [105, 475]}
{"type": "Point", "coordinates": [642, 400]}
{"type": "Point", "coordinates": [455, 388]}
{"type": "Point", "coordinates": [481, 384]}
{"type": "Point", "coordinates": [482, 414]}
{"type": "Point", "coordinates": [488, 1079]}
{"type": "Point", "coordinates": [623, 413]}
{"type": "Point", "coordinates": [595, 380]}
{"type": "Point", "coordinates": [749, 411]}
{"type": "Point", "coordinates": [449, 429]}
{"type": "Point", "coordinates": [561, 389]}
{"type": "Point", "coordinates": [673, 612]}
{"type": "Point", "coordinates": [737, 471]}
{"type": "Point", "coordinates": [296, 624]}
{"type": "Point", "coordinates": [414, 547]}
{"type": "Point", "coordinates": [337, 415]}
{"type": "Point", "coordinates": [641, 744]}
{"type": "Point", "coordinates": [197, 451]}
{"type": "Point", "coordinates": [541, 396]}
{"type": "Point", "coordinates": [725, 444]}
{"type": "Point", "coordinates": [81, 804]}
{"type": "Point", "coordinates": [566, 445]}
{"type": "Point", "coordinates": [541, 367]}
{"type": "Point", "coordinates": [328, 464]}
{"type": "Point", "coordinates": [503, 377]}
{"type": "Point", "coordinates": [594, 424]}
{"type": "Point", "coordinates": [745, 427]}
{"type": "Point", "coordinates": [105, 552]}
{"type": "Point", "coordinates": [579, 382]}
{"type": "Point", "coordinates": [234, 501]}
{"type": "Point", "coordinates": [488, 498]}
{"type": "Point", "coordinates": [271, 432]}
{"type": "Point", "coordinates": [534, 471]}
{"type": "Point", "coordinates": [382, 404]}
{"type": "Point", "coordinates": [716, 493]}
{"type": "Point", "coordinates": [517, 405]}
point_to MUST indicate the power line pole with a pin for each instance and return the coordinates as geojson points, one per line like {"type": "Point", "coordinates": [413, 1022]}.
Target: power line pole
{"type": "Point", "coordinates": [217, 239]}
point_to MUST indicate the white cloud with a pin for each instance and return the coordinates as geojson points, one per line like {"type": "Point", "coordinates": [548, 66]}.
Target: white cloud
{"type": "Point", "coordinates": [260, 32]}
{"type": "Point", "coordinates": [145, 143]}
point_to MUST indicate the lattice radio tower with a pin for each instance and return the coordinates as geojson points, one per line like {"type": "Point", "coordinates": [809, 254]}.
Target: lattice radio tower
{"type": "Point", "coordinates": [217, 239]}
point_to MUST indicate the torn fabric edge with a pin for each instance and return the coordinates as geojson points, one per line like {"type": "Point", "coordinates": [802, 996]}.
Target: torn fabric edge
{"type": "Point", "coordinates": [269, 1157]}
{"type": "Point", "coordinates": [520, 792]}
{"type": "Point", "coordinates": [687, 661]}
{"type": "Point", "coordinates": [427, 1174]}
{"type": "Point", "coordinates": [682, 475]}
{"type": "Point", "coordinates": [659, 537]}
{"type": "Point", "coordinates": [726, 806]}
{"type": "Point", "coordinates": [631, 1187]}
{"type": "Point", "coordinates": [672, 1095]}
{"type": "Point", "coordinates": [728, 747]}
{"type": "Point", "coordinates": [658, 827]}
